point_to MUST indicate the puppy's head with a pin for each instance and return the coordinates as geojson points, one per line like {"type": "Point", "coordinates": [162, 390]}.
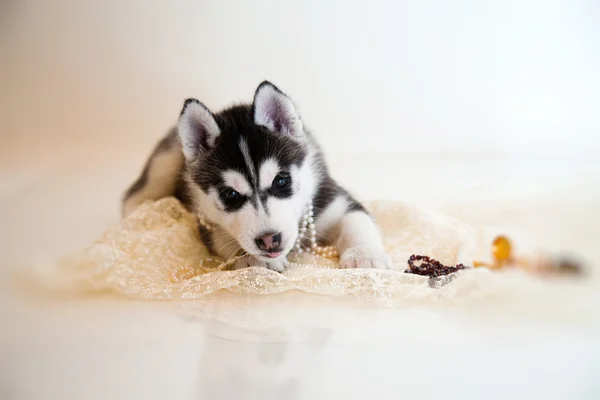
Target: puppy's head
{"type": "Point", "coordinates": [250, 169]}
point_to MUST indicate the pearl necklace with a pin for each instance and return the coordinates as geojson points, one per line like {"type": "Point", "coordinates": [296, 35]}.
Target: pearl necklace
{"type": "Point", "coordinates": [308, 223]}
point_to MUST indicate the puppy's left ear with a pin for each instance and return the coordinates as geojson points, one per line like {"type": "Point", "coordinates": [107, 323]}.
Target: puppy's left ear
{"type": "Point", "coordinates": [275, 111]}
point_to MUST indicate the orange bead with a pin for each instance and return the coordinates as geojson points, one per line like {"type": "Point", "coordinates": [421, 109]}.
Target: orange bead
{"type": "Point", "coordinates": [501, 250]}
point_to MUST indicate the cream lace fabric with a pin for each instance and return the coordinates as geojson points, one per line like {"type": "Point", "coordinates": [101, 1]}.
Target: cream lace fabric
{"type": "Point", "coordinates": [155, 253]}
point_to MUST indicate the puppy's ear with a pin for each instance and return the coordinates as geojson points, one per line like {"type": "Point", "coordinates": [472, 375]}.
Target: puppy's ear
{"type": "Point", "coordinates": [197, 128]}
{"type": "Point", "coordinates": [275, 111]}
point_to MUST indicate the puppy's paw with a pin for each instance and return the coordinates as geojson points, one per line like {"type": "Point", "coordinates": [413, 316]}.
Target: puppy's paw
{"type": "Point", "coordinates": [365, 257]}
{"type": "Point", "coordinates": [278, 265]}
{"type": "Point", "coordinates": [250, 261]}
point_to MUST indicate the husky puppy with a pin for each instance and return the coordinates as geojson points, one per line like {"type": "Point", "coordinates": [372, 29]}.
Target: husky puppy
{"type": "Point", "coordinates": [251, 171]}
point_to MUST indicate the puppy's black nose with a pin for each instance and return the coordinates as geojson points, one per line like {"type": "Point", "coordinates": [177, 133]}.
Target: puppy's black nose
{"type": "Point", "coordinates": [268, 241]}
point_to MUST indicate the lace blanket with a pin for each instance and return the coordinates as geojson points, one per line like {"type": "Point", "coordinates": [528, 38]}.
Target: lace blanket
{"type": "Point", "coordinates": [155, 253]}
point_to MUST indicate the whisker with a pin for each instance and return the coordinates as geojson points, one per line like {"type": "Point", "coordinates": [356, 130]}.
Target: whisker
{"type": "Point", "coordinates": [226, 245]}
{"type": "Point", "coordinates": [319, 236]}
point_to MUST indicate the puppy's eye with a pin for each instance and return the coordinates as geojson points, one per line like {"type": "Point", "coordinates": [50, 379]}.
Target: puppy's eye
{"type": "Point", "coordinates": [229, 194]}
{"type": "Point", "coordinates": [231, 199]}
{"type": "Point", "coordinates": [282, 181]}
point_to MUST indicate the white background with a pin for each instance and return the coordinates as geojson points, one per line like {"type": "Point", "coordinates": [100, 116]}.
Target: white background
{"type": "Point", "coordinates": [488, 108]}
{"type": "Point", "coordinates": [406, 76]}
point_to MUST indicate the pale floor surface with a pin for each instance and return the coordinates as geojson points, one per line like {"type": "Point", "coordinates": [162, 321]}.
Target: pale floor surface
{"type": "Point", "coordinates": [54, 202]}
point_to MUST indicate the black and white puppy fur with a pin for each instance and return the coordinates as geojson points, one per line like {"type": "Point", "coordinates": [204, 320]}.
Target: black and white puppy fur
{"type": "Point", "coordinates": [251, 170]}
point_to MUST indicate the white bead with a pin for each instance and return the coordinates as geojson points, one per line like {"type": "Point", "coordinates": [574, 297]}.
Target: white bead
{"type": "Point", "coordinates": [311, 220]}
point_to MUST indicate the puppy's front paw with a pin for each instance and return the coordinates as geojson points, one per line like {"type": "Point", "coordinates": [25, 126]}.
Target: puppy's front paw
{"type": "Point", "coordinates": [278, 265]}
{"type": "Point", "coordinates": [250, 261]}
{"type": "Point", "coordinates": [365, 257]}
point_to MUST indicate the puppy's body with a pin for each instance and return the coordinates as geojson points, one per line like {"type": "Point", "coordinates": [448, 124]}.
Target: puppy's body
{"type": "Point", "coordinates": [251, 171]}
